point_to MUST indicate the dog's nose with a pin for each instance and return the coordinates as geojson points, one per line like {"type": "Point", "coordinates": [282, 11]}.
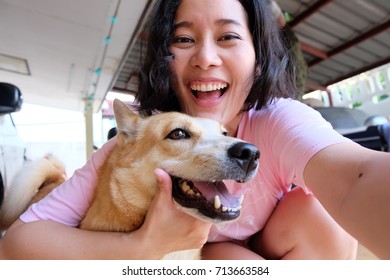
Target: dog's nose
{"type": "Point", "coordinates": [245, 154]}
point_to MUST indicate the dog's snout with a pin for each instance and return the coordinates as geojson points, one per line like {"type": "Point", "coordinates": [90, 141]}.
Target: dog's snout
{"type": "Point", "coordinates": [245, 154]}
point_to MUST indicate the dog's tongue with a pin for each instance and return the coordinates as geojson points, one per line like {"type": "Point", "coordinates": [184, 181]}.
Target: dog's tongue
{"type": "Point", "coordinates": [209, 190]}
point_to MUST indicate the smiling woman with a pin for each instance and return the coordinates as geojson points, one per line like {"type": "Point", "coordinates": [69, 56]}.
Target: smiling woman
{"type": "Point", "coordinates": [201, 44]}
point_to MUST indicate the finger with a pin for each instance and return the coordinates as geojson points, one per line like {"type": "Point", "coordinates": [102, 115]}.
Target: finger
{"type": "Point", "coordinates": [164, 182]}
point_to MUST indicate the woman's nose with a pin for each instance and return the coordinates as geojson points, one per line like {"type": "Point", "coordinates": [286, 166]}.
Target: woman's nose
{"type": "Point", "coordinates": [206, 56]}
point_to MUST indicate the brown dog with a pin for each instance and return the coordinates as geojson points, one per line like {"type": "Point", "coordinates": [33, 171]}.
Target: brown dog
{"type": "Point", "coordinates": [195, 152]}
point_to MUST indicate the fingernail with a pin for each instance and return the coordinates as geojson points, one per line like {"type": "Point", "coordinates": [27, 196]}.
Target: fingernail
{"type": "Point", "coordinates": [158, 176]}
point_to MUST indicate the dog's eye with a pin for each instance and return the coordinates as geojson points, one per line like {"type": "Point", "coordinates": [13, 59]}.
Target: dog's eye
{"type": "Point", "coordinates": [178, 134]}
{"type": "Point", "coordinates": [225, 133]}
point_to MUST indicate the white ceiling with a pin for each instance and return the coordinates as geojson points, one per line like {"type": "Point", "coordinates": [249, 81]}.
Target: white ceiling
{"type": "Point", "coordinates": [65, 44]}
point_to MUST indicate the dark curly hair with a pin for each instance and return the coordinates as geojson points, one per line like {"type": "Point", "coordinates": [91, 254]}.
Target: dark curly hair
{"type": "Point", "coordinates": [274, 77]}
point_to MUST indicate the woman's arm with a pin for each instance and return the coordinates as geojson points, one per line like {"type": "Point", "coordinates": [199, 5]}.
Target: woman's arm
{"type": "Point", "coordinates": [353, 184]}
{"type": "Point", "coordinates": [165, 229]}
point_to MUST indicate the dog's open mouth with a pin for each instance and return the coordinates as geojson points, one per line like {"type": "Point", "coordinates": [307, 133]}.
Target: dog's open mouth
{"type": "Point", "coordinates": [212, 199]}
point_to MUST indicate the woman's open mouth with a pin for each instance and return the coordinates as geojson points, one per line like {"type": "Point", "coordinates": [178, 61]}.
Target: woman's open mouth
{"type": "Point", "coordinates": [208, 90]}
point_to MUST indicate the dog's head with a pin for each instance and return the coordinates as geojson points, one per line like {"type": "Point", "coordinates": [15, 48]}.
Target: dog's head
{"type": "Point", "coordinates": [197, 153]}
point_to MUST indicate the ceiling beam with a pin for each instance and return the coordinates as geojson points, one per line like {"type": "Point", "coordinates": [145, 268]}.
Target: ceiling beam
{"type": "Point", "coordinates": [309, 12]}
{"type": "Point", "coordinates": [365, 36]}
{"type": "Point", "coordinates": [313, 51]}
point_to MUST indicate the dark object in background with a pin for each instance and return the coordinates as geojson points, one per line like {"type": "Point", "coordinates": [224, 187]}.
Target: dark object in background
{"type": "Point", "coordinates": [369, 131]}
{"type": "Point", "coordinates": [372, 138]}
{"type": "Point", "coordinates": [111, 133]}
{"type": "Point", "coordinates": [10, 99]}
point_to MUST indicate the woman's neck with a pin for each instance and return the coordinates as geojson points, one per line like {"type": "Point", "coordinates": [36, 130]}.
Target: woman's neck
{"type": "Point", "coordinates": [232, 126]}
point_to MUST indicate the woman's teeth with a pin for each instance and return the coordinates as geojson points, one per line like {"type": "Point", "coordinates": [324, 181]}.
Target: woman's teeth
{"type": "Point", "coordinates": [208, 86]}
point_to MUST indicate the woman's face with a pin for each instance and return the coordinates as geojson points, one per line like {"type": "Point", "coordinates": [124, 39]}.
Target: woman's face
{"type": "Point", "coordinates": [214, 59]}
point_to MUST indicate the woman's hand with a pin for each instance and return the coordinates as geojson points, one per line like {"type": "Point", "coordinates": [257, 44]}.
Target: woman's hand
{"type": "Point", "coordinates": [167, 228]}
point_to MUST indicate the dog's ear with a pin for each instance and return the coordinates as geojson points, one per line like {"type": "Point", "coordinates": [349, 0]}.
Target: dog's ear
{"type": "Point", "coordinates": [127, 121]}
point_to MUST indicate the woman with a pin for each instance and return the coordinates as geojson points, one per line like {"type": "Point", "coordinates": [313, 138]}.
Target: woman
{"type": "Point", "coordinates": [221, 59]}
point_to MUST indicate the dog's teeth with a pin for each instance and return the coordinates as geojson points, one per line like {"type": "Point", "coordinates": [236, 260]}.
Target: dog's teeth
{"type": "Point", "coordinates": [185, 187]}
{"type": "Point", "coordinates": [224, 209]}
{"type": "Point", "coordinates": [198, 195]}
{"type": "Point", "coordinates": [241, 199]}
{"type": "Point", "coordinates": [190, 192]}
{"type": "Point", "coordinates": [217, 202]}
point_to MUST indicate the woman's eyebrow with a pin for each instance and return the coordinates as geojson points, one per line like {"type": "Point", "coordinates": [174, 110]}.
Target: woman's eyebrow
{"type": "Point", "coordinates": [222, 21]}
{"type": "Point", "coordinates": [227, 21]}
{"type": "Point", "coordinates": [182, 24]}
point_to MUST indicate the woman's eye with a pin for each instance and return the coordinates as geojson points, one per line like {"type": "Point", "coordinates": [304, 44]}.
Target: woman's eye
{"type": "Point", "coordinates": [178, 134]}
{"type": "Point", "coordinates": [228, 37]}
{"type": "Point", "coordinates": [181, 40]}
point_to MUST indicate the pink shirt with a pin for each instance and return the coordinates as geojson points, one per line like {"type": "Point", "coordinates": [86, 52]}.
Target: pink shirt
{"type": "Point", "coordinates": [287, 133]}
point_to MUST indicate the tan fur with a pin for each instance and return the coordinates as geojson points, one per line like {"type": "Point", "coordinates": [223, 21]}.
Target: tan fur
{"type": "Point", "coordinates": [32, 183]}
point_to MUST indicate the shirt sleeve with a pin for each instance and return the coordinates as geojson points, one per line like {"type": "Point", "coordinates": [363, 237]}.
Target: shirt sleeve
{"type": "Point", "coordinates": [69, 202]}
{"type": "Point", "coordinates": [293, 133]}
